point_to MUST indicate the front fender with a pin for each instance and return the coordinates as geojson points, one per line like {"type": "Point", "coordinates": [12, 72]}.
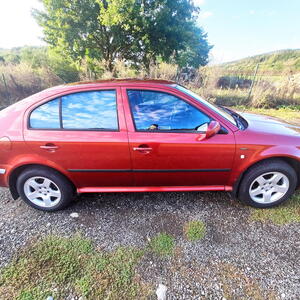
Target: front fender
{"type": "Point", "coordinates": [248, 156]}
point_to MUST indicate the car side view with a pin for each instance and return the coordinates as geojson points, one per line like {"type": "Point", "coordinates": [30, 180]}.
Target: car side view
{"type": "Point", "coordinates": [142, 136]}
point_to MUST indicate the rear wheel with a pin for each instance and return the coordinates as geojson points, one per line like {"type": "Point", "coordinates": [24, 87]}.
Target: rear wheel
{"type": "Point", "coordinates": [268, 184]}
{"type": "Point", "coordinates": [44, 189]}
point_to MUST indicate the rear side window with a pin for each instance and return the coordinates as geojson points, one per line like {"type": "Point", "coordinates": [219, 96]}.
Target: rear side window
{"type": "Point", "coordinates": [90, 110]}
{"type": "Point", "coordinates": [95, 110]}
{"type": "Point", "coordinates": [46, 116]}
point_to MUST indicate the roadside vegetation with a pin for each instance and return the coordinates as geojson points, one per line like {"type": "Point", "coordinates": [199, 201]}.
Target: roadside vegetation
{"type": "Point", "coordinates": [286, 213]}
{"type": "Point", "coordinates": [290, 114]}
{"type": "Point", "coordinates": [25, 71]}
{"type": "Point", "coordinates": [60, 267]}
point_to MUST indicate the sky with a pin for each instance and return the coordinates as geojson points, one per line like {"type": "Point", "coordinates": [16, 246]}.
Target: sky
{"type": "Point", "coordinates": [241, 28]}
{"type": "Point", "coordinates": [236, 28]}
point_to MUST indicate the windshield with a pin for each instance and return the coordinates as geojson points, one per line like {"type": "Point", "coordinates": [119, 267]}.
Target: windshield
{"type": "Point", "coordinates": [215, 108]}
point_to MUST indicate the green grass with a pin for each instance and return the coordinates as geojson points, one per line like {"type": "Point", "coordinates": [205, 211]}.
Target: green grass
{"type": "Point", "coordinates": [289, 114]}
{"type": "Point", "coordinates": [277, 61]}
{"type": "Point", "coordinates": [286, 213]}
{"type": "Point", "coordinates": [162, 244]}
{"type": "Point", "coordinates": [61, 267]}
{"type": "Point", "coordinates": [194, 230]}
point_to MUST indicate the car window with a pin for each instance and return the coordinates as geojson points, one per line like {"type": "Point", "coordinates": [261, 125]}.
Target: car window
{"type": "Point", "coordinates": [212, 106]}
{"type": "Point", "coordinates": [90, 110]}
{"type": "Point", "coordinates": [46, 116]}
{"type": "Point", "coordinates": [154, 110]}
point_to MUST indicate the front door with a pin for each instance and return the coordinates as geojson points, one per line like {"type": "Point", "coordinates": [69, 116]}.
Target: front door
{"type": "Point", "coordinates": [85, 134]}
{"type": "Point", "coordinates": [166, 141]}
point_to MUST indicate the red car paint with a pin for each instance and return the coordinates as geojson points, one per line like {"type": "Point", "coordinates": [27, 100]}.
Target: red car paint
{"type": "Point", "coordinates": [97, 161]}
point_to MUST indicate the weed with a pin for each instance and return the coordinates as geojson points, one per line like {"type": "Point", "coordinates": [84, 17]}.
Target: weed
{"type": "Point", "coordinates": [162, 244]}
{"type": "Point", "coordinates": [194, 230]}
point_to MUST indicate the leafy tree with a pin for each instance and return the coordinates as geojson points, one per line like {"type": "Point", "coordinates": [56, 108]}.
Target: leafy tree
{"type": "Point", "coordinates": [138, 31]}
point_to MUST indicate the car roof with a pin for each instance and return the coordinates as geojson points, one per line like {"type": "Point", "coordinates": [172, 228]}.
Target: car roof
{"type": "Point", "coordinates": [82, 85]}
{"type": "Point", "coordinates": [122, 81]}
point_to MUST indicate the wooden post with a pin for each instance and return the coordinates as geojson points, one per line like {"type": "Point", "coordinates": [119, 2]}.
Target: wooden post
{"type": "Point", "coordinates": [253, 81]}
{"type": "Point", "coordinates": [6, 89]}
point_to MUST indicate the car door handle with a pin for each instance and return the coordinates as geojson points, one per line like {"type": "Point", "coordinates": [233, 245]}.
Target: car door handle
{"type": "Point", "coordinates": [49, 147]}
{"type": "Point", "coordinates": [143, 148]}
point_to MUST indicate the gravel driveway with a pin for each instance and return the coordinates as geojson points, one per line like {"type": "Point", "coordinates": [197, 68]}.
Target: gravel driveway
{"type": "Point", "coordinates": [237, 257]}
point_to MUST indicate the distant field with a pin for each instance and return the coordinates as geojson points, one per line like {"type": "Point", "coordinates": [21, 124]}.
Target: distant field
{"type": "Point", "coordinates": [279, 62]}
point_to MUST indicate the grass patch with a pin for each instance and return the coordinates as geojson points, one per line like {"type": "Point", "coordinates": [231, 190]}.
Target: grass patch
{"type": "Point", "coordinates": [194, 230]}
{"type": "Point", "coordinates": [61, 267]}
{"type": "Point", "coordinates": [290, 114]}
{"type": "Point", "coordinates": [162, 244]}
{"type": "Point", "coordinates": [286, 213]}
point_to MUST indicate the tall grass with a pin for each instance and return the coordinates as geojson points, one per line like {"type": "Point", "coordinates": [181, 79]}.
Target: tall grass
{"type": "Point", "coordinates": [20, 80]}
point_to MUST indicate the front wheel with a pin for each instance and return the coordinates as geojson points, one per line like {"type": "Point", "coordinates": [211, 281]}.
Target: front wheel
{"type": "Point", "coordinates": [44, 189]}
{"type": "Point", "coordinates": [268, 184]}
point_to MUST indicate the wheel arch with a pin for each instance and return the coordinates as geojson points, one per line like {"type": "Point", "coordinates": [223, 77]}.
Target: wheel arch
{"type": "Point", "coordinates": [12, 180]}
{"type": "Point", "coordinates": [294, 163]}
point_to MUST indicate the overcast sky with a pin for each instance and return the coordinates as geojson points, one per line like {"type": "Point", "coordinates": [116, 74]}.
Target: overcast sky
{"type": "Point", "coordinates": [236, 28]}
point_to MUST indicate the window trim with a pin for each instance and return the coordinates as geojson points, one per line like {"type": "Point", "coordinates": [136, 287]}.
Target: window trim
{"type": "Point", "coordinates": [165, 131]}
{"type": "Point", "coordinates": [60, 113]}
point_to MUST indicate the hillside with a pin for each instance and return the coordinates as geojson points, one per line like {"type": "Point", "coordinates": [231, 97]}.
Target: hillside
{"type": "Point", "coordinates": [278, 62]}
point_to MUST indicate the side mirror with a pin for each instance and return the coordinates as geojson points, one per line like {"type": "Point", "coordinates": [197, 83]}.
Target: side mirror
{"type": "Point", "coordinates": [212, 129]}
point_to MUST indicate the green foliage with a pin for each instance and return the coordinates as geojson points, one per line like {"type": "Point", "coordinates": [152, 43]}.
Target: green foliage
{"type": "Point", "coordinates": [59, 266]}
{"type": "Point", "coordinates": [194, 230]}
{"type": "Point", "coordinates": [137, 31]}
{"type": "Point", "coordinates": [162, 244]}
{"type": "Point", "coordinates": [276, 62]}
{"type": "Point", "coordinates": [63, 67]}
{"type": "Point", "coordinates": [283, 214]}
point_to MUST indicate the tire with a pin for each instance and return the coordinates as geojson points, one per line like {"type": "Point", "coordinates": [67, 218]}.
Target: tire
{"type": "Point", "coordinates": [44, 189]}
{"type": "Point", "coordinates": [268, 184]}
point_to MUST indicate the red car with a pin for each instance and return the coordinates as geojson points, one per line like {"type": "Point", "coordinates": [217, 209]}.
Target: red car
{"type": "Point", "coordinates": [141, 136]}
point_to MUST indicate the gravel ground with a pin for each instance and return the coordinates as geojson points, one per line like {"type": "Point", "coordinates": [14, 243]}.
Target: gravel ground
{"type": "Point", "coordinates": [236, 259]}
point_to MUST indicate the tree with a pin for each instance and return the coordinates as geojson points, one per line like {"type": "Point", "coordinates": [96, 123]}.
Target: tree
{"type": "Point", "coordinates": [137, 31]}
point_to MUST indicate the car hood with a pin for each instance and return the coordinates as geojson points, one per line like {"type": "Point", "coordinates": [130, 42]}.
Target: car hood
{"type": "Point", "coordinates": [270, 125]}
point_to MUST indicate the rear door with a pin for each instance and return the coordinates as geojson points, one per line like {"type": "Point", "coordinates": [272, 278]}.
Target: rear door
{"type": "Point", "coordinates": [166, 141]}
{"type": "Point", "coordinates": [85, 134]}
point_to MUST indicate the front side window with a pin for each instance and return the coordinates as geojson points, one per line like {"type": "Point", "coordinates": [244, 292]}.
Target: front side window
{"type": "Point", "coordinates": [215, 108]}
{"type": "Point", "coordinates": [90, 110]}
{"type": "Point", "coordinates": [153, 110]}
{"type": "Point", "coordinates": [95, 110]}
{"type": "Point", "coordinates": [46, 116]}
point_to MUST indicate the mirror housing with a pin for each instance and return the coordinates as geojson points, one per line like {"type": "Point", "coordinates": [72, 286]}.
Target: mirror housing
{"type": "Point", "coordinates": [212, 129]}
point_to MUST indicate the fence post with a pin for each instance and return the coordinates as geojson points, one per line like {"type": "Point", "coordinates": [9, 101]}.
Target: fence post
{"type": "Point", "coordinates": [253, 81]}
{"type": "Point", "coordinates": [6, 89]}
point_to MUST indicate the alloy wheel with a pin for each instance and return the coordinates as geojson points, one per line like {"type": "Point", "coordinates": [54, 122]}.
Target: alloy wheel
{"type": "Point", "coordinates": [42, 191]}
{"type": "Point", "coordinates": [269, 187]}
